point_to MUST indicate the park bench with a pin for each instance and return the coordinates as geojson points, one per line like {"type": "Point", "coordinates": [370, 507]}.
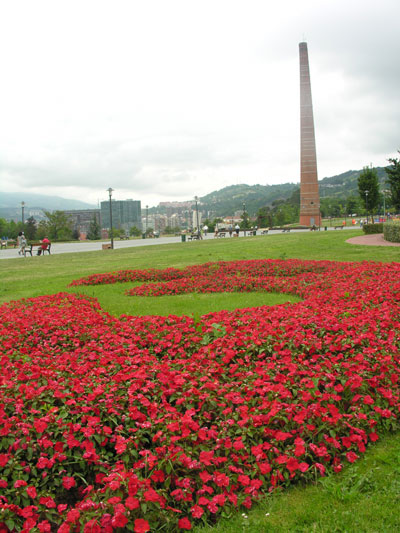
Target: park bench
{"type": "Point", "coordinates": [339, 227]}
{"type": "Point", "coordinates": [220, 234]}
{"type": "Point", "coordinates": [286, 230]}
{"type": "Point", "coordinates": [194, 237]}
{"type": "Point", "coordinates": [35, 246]}
{"type": "Point", "coordinates": [264, 232]}
{"type": "Point", "coordinates": [9, 242]}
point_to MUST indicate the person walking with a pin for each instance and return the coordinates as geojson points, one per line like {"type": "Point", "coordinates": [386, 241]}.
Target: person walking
{"type": "Point", "coordinates": [21, 241]}
{"type": "Point", "coordinates": [237, 229]}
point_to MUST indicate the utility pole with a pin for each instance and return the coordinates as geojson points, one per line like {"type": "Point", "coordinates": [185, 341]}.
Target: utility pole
{"type": "Point", "coordinates": [110, 190]}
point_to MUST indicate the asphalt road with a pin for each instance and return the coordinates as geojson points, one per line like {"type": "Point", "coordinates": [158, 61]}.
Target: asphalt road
{"type": "Point", "coordinates": [90, 246]}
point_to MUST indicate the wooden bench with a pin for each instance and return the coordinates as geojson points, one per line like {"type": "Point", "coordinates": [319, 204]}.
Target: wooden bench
{"type": "Point", "coordinates": [341, 227]}
{"type": "Point", "coordinates": [286, 230]}
{"type": "Point", "coordinates": [193, 237]}
{"type": "Point", "coordinates": [264, 232]}
{"type": "Point", "coordinates": [35, 246]}
{"type": "Point", "coordinates": [221, 234]}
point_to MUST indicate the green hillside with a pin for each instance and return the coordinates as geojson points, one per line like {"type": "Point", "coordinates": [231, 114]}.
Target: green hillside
{"type": "Point", "coordinates": [334, 190]}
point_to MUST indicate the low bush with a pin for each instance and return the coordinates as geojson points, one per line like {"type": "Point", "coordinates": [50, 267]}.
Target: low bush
{"type": "Point", "coordinates": [391, 232]}
{"type": "Point", "coordinates": [369, 229]}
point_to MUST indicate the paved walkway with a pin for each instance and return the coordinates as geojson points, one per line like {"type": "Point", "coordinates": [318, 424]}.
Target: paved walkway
{"type": "Point", "coordinates": [376, 239]}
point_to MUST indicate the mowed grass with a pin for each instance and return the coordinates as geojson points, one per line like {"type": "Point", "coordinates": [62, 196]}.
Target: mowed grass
{"type": "Point", "coordinates": [34, 276]}
{"type": "Point", "coordinates": [365, 496]}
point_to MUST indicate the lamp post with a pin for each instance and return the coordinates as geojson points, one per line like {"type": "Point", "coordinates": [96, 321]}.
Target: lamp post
{"type": "Point", "coordinates": [23, 218]}
{"type": "Point", "coordinates": [110, 190]}
{"type": "Point", "coordinates": [244, 220]}
{"type": "Point", "coordinates": [366, 202]}
{"type": "Point", "coordinates": [197, 217]}
{"type": "Point", "coordinates": [147, 217]}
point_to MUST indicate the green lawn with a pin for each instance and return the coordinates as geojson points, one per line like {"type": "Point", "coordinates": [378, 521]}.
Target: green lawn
{"type": "Point", "coordinates": [365, 496]}
{"type": "Point", "coordinates": [33, 276]}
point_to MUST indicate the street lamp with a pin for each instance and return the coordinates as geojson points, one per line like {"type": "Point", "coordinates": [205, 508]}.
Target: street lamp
{"type": "Point", "coordinates": [244, 220]}
{"type": "Point", "coordinates": [147, 217]}
{"type": "Point", "coordinates": [197, 216]}
{"type": "Point", "coordinates": [23, 218]}
{"type": "Point", "coordinates": [110, 190]}
{"type": "Point", "coordinates": [366, 202]}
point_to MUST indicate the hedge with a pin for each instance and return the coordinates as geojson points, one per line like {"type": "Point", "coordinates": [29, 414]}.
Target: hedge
{"type": "Point", "coordinates": [373, 228]}
{"type": "Point", "coordinates": [391, 232]}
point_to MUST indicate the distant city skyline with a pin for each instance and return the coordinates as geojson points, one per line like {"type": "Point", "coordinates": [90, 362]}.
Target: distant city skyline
{"type": "Point", "coordinates": [164, 101]}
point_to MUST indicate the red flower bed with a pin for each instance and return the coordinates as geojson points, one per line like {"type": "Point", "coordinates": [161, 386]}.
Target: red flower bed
{"type": "Point", "coordinates": [147, 423]}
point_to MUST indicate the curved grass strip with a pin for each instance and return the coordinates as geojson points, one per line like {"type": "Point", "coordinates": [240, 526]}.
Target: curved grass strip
{"type": "Point", "coordinates": [156, 423]}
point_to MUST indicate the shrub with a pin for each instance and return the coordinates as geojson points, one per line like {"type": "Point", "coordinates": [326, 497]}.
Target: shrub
{"type": "Point", "coordinates": [373, 228]}
{"type": "Point", "coordinates": [391, 232]}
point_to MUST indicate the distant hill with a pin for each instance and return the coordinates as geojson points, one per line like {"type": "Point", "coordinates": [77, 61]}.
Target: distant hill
{"type": "Point", "coordinates": [226, 201]}
{"type": "Point", "coordinates": [230, 199]}
{"type": "Point", "coordinates": [40, 201]}
{"type": "Point", "coordinates": [345, 184]}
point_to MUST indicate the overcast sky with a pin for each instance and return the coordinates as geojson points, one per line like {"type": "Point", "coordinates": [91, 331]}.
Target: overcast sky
{"type": "Point", "coordinates": [167, 99]}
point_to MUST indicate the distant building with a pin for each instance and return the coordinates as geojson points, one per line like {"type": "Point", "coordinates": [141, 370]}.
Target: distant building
{"type": "Point", "coordinates": [125, 214]}
{"type": "Point", "coordinates": [82, 218]}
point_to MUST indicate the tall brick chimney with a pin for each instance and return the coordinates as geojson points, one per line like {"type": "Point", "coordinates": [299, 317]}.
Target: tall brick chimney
{"type": "Point", "coordinates": [309, 193]}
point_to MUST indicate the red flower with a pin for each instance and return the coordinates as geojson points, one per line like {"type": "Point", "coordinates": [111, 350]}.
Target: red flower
{"type": "Point", "coordinates": [141, 526]}
{"type": "Point", "coordinates": [20, 483]}
{"type": "Point", "coordinates": [73, 516]}
{"type": "Point", "coordinates": [68, 482]}
{"type": "Point", "coordinates": [132, 503]}
{"type": "Point", "coordinates": [351, 457]}
{"type": "Point", "coordinates": [119, 520]}
{"type": "Point", "coordinates": [44, 526]}
{"type": "Point", "coordinates": [184, 523]}
{"type": "Point", "coordinates": [31, 491]}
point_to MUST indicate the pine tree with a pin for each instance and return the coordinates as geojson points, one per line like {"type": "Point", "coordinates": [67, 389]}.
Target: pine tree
{"type": "Point", "coordinates": [94, 230]}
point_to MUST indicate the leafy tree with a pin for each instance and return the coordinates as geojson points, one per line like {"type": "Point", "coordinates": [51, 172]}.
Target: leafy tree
{"type": "Point", "coordinates": [210, 225]}
{"type": "Point", "coordinates": [116, 233]}
{"type": "Point", "coordinates": [12, 230]}
{"type": "Point", "coordinates": [94, 230]}
{"type": "Point", "coordinates": [3, 227]}
{"type": "Point", "coordinates": [42, 229]}
{"type": "Point", "coordinates": [59, 225]}
{"type": "Point", "coordinates": [30, 229]}
{"type": "Point", "coordinates": [368, 188]}
{"type": "Point", "coordinates": [352, 205]}
{"type": "Point", "coordinates": [135, 232]}
{"type": "Point", "coordinates": [264, 217]}
{"type": "Point", "coordinates": [170, 230]}
{"type": "Point", "coordinates": [393, 179]}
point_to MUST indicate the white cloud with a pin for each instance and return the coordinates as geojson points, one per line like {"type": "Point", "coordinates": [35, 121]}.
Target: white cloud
{"type": "Point", "coordinates": [166, 100]}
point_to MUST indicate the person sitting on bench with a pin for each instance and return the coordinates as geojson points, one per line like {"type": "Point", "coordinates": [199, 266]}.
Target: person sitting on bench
{"type": "Point", "coordinates": [45, 242]}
